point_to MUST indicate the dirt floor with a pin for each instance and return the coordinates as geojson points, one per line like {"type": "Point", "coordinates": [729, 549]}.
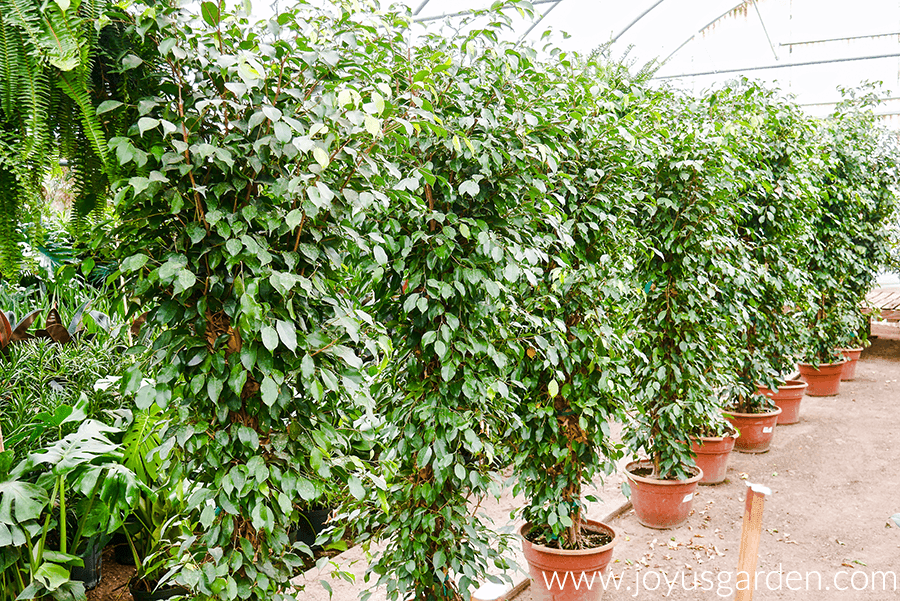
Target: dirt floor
{"type": "Point", "coordinates": [835, 480]}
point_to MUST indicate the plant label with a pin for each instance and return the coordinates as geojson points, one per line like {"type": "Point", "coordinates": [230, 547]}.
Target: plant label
{"type": "Point", "coordinates": [767, 429]}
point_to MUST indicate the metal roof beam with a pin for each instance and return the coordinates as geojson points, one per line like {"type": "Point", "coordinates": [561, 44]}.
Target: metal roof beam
{"type": "Point", "coordinates": [844, 39]}
{"type": "Point", "coordinates": [536, 23]}
{"type": "Point", "coordinates": [463, 13]}
{"type": "Point", "coordinates": [637, 18]}
{"type": "Point", "coordinates": [782, 66]}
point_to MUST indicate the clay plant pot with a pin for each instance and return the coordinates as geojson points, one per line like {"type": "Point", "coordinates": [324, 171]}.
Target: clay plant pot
{"type": "Point", "coordinates": [712, 456]}
{"type": "Point", "coordinates": [851, 355]}
{"type": "Point", "coordinates": [788, 399]}
{"type": "Point", "coordinates": [660, 504]}
{"type": "Point", "coordinates": [756, 430]}
{"type": "Point", "coordinates": [824, 381]}
{"type": "Point", "coordinates": [563, 575]}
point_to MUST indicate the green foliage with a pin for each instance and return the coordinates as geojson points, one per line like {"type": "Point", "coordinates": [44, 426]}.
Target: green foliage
{"type": "Point", "coordinates": [772, 145]}
{"type": "Point", "coordinates": [58, 64]}
{"type": "Point", "coordinates": [243, 172]}
{"type": "Point", "coordinates": [571, 362]}
{"type": "Point", "coordinates": [691, 250]}
{"type": "Point", "coordinates": [857, 202]}
{"type": "Point", "coordinates": [76, 475]}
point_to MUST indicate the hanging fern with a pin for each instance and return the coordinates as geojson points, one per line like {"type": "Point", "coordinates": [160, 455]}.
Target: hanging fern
{"type": "Point", "coordinates": [56, 67]}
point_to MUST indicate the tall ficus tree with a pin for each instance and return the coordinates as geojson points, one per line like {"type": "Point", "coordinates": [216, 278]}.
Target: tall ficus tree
{"type": "Point", "coordinates": [573, 340]}
{"type": "Point", "coordinates": [857, 199]}
{"type": "Point", "coordinates": [449, 247]}
{"type": "Point", "coordinates": [687, 224]}
{"type": "Point", "coordinates": [776, 157]}
{"type": "Point", "coordinates": [245, 167]}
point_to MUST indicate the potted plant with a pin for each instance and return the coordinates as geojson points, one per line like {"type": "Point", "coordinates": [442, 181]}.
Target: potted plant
{"type": "Point", "coordinates": [243, 184]}
{"type": "Point", "coordinates": [76, 476]}
{"type": "Point", "coordinates": [772, 196]}
{"type": "Point", "coordinates": [711, 447]}
{"type": "Point", "coordinates": [787, 397]}
{"type": "Point", "coordinates": [445, 252]}
{"type": "Point", "coordinates": [682, 330]}
{"type": "Point", "coordinates": [571, 365]}
{"type": "Point", "coordinates": [856, 203]}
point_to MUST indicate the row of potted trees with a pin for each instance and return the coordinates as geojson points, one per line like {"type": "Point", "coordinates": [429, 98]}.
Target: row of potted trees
{"type": "Point", "coordinates": [492, 255]}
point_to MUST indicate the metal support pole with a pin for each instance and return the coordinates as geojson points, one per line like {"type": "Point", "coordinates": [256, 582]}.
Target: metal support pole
{"type": "Point", "coordinates": [462, 13]}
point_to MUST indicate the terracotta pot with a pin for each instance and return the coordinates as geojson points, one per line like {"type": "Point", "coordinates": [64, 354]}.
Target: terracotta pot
{"type": "Point", "coordinates": [756, 429]}
{"type": "Point", "coordinates": [852, 356]}
{"type": "Point", "coordinates": [825, 381]}
{"type": "Point", "coordinates": [712, 456]}
{"type": "Point", "coordinates": [788, 399]}
{"type": "Point", "coordinates": [556, 572]}
{"type": "Point", "coordinates": [661, 504]}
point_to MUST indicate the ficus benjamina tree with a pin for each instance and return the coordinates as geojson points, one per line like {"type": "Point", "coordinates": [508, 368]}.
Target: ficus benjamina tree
{"type": "Point", "coordinates": [773, 146]}
{"type": "Point", "coordinates": [571, 364]}
{"type": "Point", "coordinates": [857, 200]}
{"type": "Point", "coordinates": [689, 248]}
{"type": "Point", "coordinates": [244, 171]}
{"type": "Point", "coordinates": [451, 240]}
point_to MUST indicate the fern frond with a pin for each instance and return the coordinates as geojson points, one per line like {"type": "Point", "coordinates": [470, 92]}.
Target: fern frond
{"type": "Point", "coordinates": [75, 89]}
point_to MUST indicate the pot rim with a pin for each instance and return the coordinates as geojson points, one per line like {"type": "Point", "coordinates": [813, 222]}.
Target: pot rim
{"type": "Point", "coordinates": [787, 385]}
{"type": "Point", "coordinates": [851, 349]}
{"type": "Point", "coordinates": [773, 413]}
{"type": "Point", "coordinates": [822, 364]}
{"type": "Point", "coordinates": [524, 528]}
{"type": "Point", "coordinates": [734, 434]}
{"type": "Point", "coordinates": [645, 480]}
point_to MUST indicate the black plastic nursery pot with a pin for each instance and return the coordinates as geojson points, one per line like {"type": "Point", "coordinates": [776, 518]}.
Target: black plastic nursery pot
{"type": "Point", "coordinates": [92, 557]}
{"type": "Point", "coordinates": [312, 522]}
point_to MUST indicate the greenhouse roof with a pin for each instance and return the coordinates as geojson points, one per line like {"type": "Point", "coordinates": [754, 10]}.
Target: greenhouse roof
{"type": "Point", "coordinates": [806, 47]}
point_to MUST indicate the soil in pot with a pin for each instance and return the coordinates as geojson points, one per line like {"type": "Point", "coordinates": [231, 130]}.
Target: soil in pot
{"type": "Point", "coordinates": [756, 430]}
{"type": "Point", "coordinates": [852, 357]}
{"type": "Point", "coordinates": [824, 381]}
{"type": "Point", "coordinates": [660, 504]}
{"type": "Point", "coordinates": [787, 399]}
{"type": "Point", "coordinates": [568, 575]}
{"type": "Point", "coordinates": [711, 455]}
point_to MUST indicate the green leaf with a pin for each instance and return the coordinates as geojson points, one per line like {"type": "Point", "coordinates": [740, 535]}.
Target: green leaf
{"type": "Point", "coordinates": [269, 337]}
{"type": "Point", "coordinates": [145, 123]}
{"type": "Point", "coordinates": [307, 366]}
{"type": "Point", "coordinates": [210, 13]}
{"type": "Point", "coordinates": [287, 333]}
{"type": "Point", "coordinates": [108, 105]}
{"type": "Point", "coordinates": [469, 187]}
{"type": "Point", "coordinates": [269, 391]}
{"type": "Point", "coordinates": [553, 389]}
{"type": "Point", "coordinates": [51, 575]}
{"type": "Point", "coordinates": [134, 263]}
{"type": "Point", "coordinates": [24, 500]}
{"type": "Point", "coordinates": [356, 488]}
